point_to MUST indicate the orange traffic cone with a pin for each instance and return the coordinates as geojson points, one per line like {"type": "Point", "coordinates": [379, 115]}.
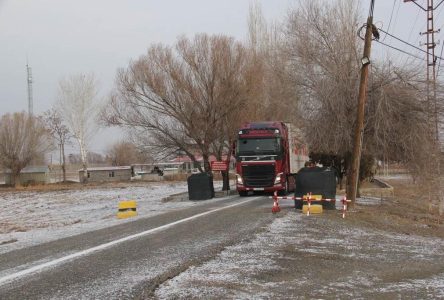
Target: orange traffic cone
{"type": "Point", "coordinates": [275, 207]}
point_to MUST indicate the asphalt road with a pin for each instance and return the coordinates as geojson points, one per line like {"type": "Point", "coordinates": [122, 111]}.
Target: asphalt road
{"type": "Point", "coordinates": [234, 248]}
{"type": "Point", "coordinates": [112, 263]}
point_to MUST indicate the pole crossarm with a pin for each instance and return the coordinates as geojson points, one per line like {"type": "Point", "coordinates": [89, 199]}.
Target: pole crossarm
{"type": "Point", "coordinates": [414, 1]}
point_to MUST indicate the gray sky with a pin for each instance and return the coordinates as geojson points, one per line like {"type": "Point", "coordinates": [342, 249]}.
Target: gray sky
{"type": "Point", "coordinates": [64, 37]}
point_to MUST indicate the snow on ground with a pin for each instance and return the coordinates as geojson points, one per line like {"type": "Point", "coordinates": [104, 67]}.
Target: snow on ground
{"type": "Point", "coordinates": [350, 262]}
{"type": "Point", "coordinates": [30, 218]}
{"type": "Point", "coordinates": [400, 177]}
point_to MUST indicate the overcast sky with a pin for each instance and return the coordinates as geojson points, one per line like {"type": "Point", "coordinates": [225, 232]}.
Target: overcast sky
{"type": "Point", "coordinates": [64, 37]}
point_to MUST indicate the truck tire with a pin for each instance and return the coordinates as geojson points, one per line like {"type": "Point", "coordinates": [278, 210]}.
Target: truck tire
{"type": "Point", "coordinates": [298, 204]}
{"type": "Point", "coordinates": [285, 191]}
{"type": "Point", "coordinates": [243, 193]}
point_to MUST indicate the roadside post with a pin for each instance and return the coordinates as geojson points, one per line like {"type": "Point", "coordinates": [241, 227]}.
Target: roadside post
{"type": "Point", "coordinates": [221, 166]}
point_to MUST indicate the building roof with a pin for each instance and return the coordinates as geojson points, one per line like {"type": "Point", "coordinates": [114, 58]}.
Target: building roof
{"type": "Point", "coordinates": [110, 168]}
{"type": "Point", "coordinates": [198, 158]}
{"type": "Point", "coordinates": [31, 169]}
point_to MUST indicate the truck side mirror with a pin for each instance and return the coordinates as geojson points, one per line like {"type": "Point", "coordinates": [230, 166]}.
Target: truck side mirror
{"type": "Point", "coordinates": [233, 148]}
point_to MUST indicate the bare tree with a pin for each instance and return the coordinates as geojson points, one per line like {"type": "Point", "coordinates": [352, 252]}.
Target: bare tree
{"type": "Point", "coordinates": [272, 93]}
{"type": "Point", "coordinates": [22, 139]}
{"type": "Point", "coordinates": [124, 153]}
{"type": "Point", "coordinates": [324, 53]}
{"type": "Point", "coordinates": [60, 133]}
{"type": "Point", "coordinates": [176, 99]}
{"type": "Point", "coordinates": [77, 103]}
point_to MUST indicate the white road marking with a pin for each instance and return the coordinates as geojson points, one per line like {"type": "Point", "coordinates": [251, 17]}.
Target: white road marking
{"type": "Point", "coordinates": [38, 268]}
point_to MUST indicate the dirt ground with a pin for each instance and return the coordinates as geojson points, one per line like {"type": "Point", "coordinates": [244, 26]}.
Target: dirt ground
{"type": "Point", "coordinates": [409, 211]}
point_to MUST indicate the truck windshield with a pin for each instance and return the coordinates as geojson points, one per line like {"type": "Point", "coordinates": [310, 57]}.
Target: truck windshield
{"type": "Point", "coordinates": [259, 146]}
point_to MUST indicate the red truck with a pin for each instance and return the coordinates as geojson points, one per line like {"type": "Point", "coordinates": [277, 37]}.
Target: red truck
{"type": "Point", "coordinates": [268, 154]}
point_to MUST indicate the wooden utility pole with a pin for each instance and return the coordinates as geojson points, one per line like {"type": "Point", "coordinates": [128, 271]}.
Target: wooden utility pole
{"type": "Point", "coordinates": [359, 129]}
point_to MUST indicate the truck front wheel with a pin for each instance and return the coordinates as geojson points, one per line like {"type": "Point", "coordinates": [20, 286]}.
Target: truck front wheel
{"type": "Point", "coordinates": [298, 204]}
{"type": "Point", "coordinates": [284, 192]}
{"type": "Point", "coordinates": [243, 193]}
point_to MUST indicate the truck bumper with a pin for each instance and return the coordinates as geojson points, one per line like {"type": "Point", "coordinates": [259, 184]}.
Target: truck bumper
{"type": "Point", "coordinates": [269, 189]}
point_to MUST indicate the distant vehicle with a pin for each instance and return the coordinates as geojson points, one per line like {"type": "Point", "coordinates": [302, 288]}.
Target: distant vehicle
{"type": "Point", "coordinates": [157, 170]}
{"type": "Point", "coordinates": [268, 155]}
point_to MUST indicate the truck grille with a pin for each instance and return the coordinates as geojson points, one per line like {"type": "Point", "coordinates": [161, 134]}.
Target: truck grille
{"type": "Point", "coordinates": [258, 175]}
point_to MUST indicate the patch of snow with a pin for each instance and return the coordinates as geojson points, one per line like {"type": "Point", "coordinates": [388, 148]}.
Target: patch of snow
{"type": "Point", "coordinates": [232, 268]}
{"type": "Point", "coordinates": [396, 176]}
{"type": "Point", "coordinates": [367, 200]}
{"type": "Point", "coordinates": [434, 286]}
{"type": "Point", "coordinates": [238, 271]}
{"type": "Point", "coordinates": [30, 218]}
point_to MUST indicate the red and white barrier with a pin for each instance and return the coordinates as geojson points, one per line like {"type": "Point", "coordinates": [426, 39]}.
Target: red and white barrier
{"type": "Point", "coordinates": [309, 204]}
{"type": "Point", "coordinates": [344, 205]}
{"type": "Point", "coordinates": [276, 199]}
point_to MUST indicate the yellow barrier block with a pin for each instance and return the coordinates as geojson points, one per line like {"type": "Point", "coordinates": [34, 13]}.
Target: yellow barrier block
{"type": "Point", "coordinates": [127, 204]}
{"type": "Point", "coordinates": [126, 214]}
{"type": "Point", "coordinates": [314, 209]}
{"type": "Point", "coordinates": [313, 197]}
{"type": "Point", "coordinates": [127, 209]}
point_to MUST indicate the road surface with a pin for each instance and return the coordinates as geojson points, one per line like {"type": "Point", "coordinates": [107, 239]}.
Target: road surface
{"type": "Point", "coordinates": [234, 248]}
{"type": "Point", "coordinates": [113, 263]}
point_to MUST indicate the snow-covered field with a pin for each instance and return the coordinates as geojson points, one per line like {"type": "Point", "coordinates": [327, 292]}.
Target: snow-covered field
{"type": "Point", "coordinates": [29, 218]}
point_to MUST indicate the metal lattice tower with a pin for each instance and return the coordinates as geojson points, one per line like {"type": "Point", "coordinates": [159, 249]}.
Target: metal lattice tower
{"type": "Point", "coordinates": [432, 101]}
{"type": "Point", "coordinates": [431, 67]}
{"type": "Point", "coordinates": [30, 100]}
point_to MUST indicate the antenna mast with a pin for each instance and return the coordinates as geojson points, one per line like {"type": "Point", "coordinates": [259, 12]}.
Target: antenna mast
{"type": "Point", "coordinates": [30, 101]}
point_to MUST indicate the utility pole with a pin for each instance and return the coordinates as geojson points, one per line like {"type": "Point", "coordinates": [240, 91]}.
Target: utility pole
{"type": "Point", "coordinates": [359, 129]}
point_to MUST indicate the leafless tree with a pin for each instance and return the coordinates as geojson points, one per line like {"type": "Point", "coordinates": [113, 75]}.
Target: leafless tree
{"type": "Point", "coordinates": [22, 139]}
{"type": "Point", "coordinates": [124, 153]}
{"type": "Point", "coordinates": [273, 95]}
{"type": "Point", "coordinates": [324, 56]}
{"type": "Point", "coordinates": [77, 103]}
{"type": "Point", "coordinates": [324, 53]}
{"type": "Point", "coordinates": [60, 133]}
{"type": "Point", "coordinates": [175, 99]}
{"type": "Point", "coordinates": [92, 158]}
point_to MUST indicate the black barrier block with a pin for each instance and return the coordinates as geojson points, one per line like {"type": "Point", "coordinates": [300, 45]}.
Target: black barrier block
{"type": "Point", "coordinates": [200, 186]}
{"type": "Point", "coordinates": [317, 181]}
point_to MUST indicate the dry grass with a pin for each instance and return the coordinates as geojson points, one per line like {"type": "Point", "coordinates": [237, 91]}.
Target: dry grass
{"type": "Point", "coordinates": [407, 211]}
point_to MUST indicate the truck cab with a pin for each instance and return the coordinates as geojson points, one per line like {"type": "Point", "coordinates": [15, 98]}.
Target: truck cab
{"type": "Point", "coordinates": [262, 152]}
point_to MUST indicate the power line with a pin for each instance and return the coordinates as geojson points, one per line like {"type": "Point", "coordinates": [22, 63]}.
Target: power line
{"type": "Point", "coordinates": [438, 4]}
{"type": "Point", "coordinates": [372, 7]}
{"type": "Point", "coordinates": [439, 64]}
{"type": "Point", "coordinates": [400, 50]}
{"type": "Point", "coordinates": [410, 35]}
{"type": "Point", "coordinates": [437, 15]}
{"type": "Point", "coordinates": [407, 43]}
{"type": "Point", "coordinates": [413, 27]}
{"type": "Point", "coordinates": [397, 14]}
{"type": "Point", "coordinates": [414, 2]}
{"type": "Point", "coordinates": [391, 16]}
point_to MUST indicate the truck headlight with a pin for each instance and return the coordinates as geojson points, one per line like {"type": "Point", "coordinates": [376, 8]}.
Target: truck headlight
{"type": "Point", "coordinates": [239, 179]}
{"type": "Point", "coordinates": [277, 180]}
